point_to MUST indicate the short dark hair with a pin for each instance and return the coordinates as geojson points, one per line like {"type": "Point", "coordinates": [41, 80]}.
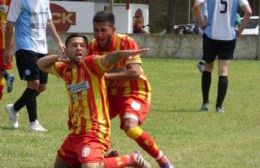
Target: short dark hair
{"type": "Point", "coordinates": [75, 35]}
{"type": "Point", "coordinates": [104, 16]}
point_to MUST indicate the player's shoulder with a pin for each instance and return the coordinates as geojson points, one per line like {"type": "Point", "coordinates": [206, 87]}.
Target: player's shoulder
{"type": "Point", "coordinates": [125, 39]}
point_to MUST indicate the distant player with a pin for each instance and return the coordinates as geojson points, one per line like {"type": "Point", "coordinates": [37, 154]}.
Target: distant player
{"type": "Point", "coordinates": [4, 75]}
{"type": "Point", "coordinates": [28, 22]}
{"type": "Point", "coordinates": [219, 40]}
{"type": "Point", "coordinates": [129, 91]}
{"type": "Point", "coordinates": [89, 121]}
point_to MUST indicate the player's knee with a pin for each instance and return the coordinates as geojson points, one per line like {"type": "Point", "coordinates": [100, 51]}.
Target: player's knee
{"type": "Point", "coordinates": [41, 88]}
{"type": "Point", "coordinates": [134, 132]}
{"type": "Point", "coordinates": [33, 84]}
{"type": "Point", "coordinates": [129, 123]}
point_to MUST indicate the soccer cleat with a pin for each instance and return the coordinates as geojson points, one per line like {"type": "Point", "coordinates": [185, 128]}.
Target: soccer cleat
{"type": "Point", "coordinates": [9, 83]}
{"type": "Point", "coordinates": [204, 107]}
{"type": "Point", "coordinates": [219, 110]}
{"type": "Point", "coordinates": [166, 165]}
{"type": "Point", "coordinates": [200, 66]}
{"type": "Point", "coordinates": [36, 126]}
{"type": "Point", "coordinates": [138, 161]}
{"type": "Point", "coordinates": [13, 115]}
{"type": "Point", "coordinates": [164, 162]}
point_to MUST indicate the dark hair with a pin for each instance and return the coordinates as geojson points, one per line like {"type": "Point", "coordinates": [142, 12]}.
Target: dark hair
{"type": "Point", "coordinates": [104, 16]}
{"type": "Point", "coordinates": [75, 35]}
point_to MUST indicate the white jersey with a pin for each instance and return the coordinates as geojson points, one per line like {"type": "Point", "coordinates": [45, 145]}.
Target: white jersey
{"type": "Point", "coordinates": [30, 17]}
{"type": "Point", "coordinates": [221, 18]}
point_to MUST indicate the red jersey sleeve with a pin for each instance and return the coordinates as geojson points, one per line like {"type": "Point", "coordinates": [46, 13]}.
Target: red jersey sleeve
{"type": "Point", "coordinates": [93, 62]}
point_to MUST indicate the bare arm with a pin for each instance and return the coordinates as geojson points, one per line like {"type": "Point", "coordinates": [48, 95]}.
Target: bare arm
{"type": "Point", "coordinates": [248, 12]}
{"type": "Point", "coordinates": [52, 31]}
{"type": "Point", "coordinates": [46, 63]}
{"type": "Point", "coordinates": [9, 36]}
{"type": "Point", "coordinates": [132, 70]}
{"type": "Point", "coordinates": [197, 15]}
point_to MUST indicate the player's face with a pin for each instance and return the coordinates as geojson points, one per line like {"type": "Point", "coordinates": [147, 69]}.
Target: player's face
{"type": "Point", "coordinates": [103, 32]}
{"type": "Point", "coordinates": [76, 49]}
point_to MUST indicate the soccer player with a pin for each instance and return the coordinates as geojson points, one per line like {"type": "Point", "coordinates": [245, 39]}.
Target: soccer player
{"type": "Point", "coordinates": [129, 92]}
{"type": "Point", "coordinates": [29, 20]}
{"type": "Point", "coordinates": [89, 121]}
{"type": "Point", "coordinates": [4, 75]}
{"type": "Point", "coordinates": [219, 40]}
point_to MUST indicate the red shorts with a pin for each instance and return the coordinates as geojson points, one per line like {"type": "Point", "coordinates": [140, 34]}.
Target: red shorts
{"type": "Point", "coordinates": [2, 65]}
{"type": "Point", "coordinates": [80, 149]}
{"type": "Point", "coordinates": [129, 107]}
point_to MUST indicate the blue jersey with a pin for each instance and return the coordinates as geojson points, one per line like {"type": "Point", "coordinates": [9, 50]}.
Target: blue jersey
{"type": "Point", "coordinates": [31, 18]}
{"type": "Point", "coordinates": [221, 18]}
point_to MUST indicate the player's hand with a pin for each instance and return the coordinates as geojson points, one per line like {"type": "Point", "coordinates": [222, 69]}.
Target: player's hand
{"type": "Point", "coordinates": [62, 47]}
{"type": "Point", "coordinates": [7, 58]}
{"type": "Point", "coordinates": [238, 32]}
{"type": "Point", "coordinates": [63, 58]}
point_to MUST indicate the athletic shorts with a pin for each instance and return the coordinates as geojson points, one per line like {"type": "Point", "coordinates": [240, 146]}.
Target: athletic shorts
{"type": "Point", "coordinates": [130, 107]}
{"type": "Point", "coordinates": [81, 149]}
{"type": "Point", "coordinates": [213, 48]}
{"type": "Point", "coordinates": [2, 65]}
{"type": "Point", "coordinates": [28, 70]}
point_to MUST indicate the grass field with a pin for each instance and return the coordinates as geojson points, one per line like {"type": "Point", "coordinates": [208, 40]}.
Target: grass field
{"type": "Point", "coordinates": [190, 138]}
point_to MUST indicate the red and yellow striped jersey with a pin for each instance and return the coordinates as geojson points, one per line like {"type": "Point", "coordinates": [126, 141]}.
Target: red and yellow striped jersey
{"type": "Point", "coordinates": [4, 7]}
{"type": "Point", "coordinates": [86, 89]}
{"type": "Point", "coordinates": [139, 88]}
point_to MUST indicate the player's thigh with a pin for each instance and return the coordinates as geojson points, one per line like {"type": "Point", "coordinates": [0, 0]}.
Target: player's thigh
{"type": "Point", "coordinates": [226, 49]}
{"type": "Point", "coordinates": [26, 62]}
{"type": "Point", "coordinates": [209, 49]}
{"type": "Point", "coordinates": [135, 109]}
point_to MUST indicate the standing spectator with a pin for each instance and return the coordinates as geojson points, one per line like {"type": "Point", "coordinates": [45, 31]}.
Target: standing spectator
{"type": "Point", "coordinates": [89, 121]}
{"type": "Point", "coordinates": [4, 75]}
{"type": "Point", "coordinates": [219, 40]}
{"type": "Point", "coordinates": [129, 92]}
{"type": "Point", "coordinates": [28, 21]}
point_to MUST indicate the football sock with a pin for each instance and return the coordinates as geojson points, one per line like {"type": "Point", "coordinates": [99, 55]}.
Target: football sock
{"type": "Point", "coordinates": [205, 86]}
{"type": "Point", "coordinates": [5, 74]}
{"type": "Point", "coordinates": [144, 140]}
{"type": "Point", "coordinates": [118, 162]}
{"type": "Point", "coordinates": [2, 82]}
{"type": "Point", "coordinates": [222, 90]}
{"type": "Point", "coordinates": [28, 96]}
{"type": "Point", "coordinates": [31, 106]}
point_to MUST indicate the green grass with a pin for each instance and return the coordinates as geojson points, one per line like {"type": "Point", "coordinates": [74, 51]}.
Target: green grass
{"type": "Point", "coordinates": [190, 138]}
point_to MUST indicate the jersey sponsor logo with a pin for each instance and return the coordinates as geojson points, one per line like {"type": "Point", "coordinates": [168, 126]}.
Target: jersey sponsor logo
{"type": "Point", "coordinates": [79, 87]}
{"type": "Point", "coordinates": [136, 106]}
{"type": "Point", "coordinates": [85, 152]}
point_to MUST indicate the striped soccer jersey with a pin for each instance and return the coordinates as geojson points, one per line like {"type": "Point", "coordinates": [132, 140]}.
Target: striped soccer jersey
{"type": "Point", "coordinates": [31, 18]}
{"type": "Point", "coordinates": [4, 7]}
{"type": "Point", "coordinates": [88, 105]}
{"type": "Point", "coordinates": [221, 18]}
{"type": "Point", "coordinates": [139, 88]}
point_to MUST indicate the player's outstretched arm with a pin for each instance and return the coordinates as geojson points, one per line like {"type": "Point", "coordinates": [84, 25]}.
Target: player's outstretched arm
{"type": "Point", "coordinates": [46, 63]}
{"type": "Point", "coordinates": [115, 56]}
